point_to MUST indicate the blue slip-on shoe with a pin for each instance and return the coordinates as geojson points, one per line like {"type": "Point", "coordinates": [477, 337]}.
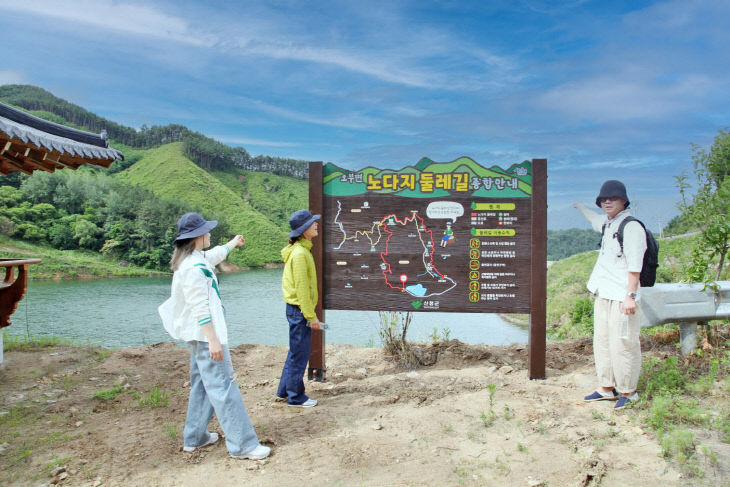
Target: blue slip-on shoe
{"type": "Point", "coordinates": [213, 438]}
{"type": "Point", "coordinates": [624, 401]}
{"type": "Point", "coordinates": [612, 395]}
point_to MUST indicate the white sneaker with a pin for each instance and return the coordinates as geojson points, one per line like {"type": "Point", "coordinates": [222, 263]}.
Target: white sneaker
{"type": "Point", "coordinates": [309, 403]}
{"type": "Point", "coordinates": [258, 453]}
{"type": "Point", "coordinates": [213, 438]}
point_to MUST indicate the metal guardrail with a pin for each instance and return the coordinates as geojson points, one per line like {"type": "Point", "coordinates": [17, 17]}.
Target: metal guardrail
{"type": "Point", "coordinates": [685, 304]}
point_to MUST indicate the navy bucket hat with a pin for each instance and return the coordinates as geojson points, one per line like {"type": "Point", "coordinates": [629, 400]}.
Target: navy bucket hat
{"type": "Point", "coordinates": [612, 189]}
{"type": "Point", "coordinates": [192, 225]}
{"type": "Point", "coordinates": [300, 220]}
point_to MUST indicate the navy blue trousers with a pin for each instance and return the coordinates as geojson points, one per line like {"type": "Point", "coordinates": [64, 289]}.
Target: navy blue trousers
{"type": "Point", "coordinates": [291, 384]}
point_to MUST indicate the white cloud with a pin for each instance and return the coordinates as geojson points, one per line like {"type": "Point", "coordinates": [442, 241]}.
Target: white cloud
{"type": "Point", "coordinates": [257, 142]}
{"type": "Point", "coordinates": [10, 77]}
{"type": "Point", "coordinates": [626, 96]}
{"type": "Point", "coordinates": [129, 18]}
{"type": "Point", "coordinates": [681, 18]}
{"type": "Point", "coordinates": [349, 120]}
{"type": "Point", "coordinates": [375, 66]}
{"type": "Point", "coordinates": [618, 164]}
{"type": "Point", "coordinates": [269, 34]}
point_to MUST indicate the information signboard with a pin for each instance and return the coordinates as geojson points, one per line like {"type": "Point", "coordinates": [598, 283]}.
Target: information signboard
{"type": "Point", "coordinates": [453, 236]}
{"type": "Point", "coordinates": [436, 236]}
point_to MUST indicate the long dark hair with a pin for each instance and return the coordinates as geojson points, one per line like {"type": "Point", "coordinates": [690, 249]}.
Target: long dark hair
{"type": "Point", "coordinates": [293, 240]}
{"type": "Point", "coordinates": [183, 248]}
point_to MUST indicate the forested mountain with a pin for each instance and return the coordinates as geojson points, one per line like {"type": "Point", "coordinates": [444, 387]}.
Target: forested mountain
{"type": "Point", "coordinates": [564, 243]}
{"type": "Point", "coordinates": [204, 151]}
{"type": "Point", "coordinates": [127, 212]}
{"type": "Point", "coordinates": [168, 174]}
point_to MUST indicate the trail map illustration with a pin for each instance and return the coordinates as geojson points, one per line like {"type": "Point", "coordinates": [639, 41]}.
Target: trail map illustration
{"type": "Point", "coordinates": [431, 237]}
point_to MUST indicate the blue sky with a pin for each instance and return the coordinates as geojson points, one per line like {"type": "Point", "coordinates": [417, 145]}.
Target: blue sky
{"type": "Point", "coordinates": [603, 90]}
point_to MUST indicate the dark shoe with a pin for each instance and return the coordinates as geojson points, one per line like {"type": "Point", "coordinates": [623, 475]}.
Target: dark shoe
{"type": "Point", "coordinates": [612, 395]}
{"type": "Point", "coordinates": [624, 401]}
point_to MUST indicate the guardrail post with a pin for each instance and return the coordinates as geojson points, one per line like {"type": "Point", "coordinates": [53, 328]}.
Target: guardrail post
{"type": "Point", "coordinates": [688, 337]}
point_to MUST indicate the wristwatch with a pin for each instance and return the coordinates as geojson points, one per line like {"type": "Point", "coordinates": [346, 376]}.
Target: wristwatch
{"type": "Point", "coordinates": [631, 295]}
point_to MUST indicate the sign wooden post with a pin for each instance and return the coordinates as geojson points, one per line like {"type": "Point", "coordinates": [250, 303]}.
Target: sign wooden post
{"type": "Point", "coordinates": [316, 356]}
{"type": "Point", "coordinates": [453, 237]}
{"type": "Point", "coordinates": [538, 271]}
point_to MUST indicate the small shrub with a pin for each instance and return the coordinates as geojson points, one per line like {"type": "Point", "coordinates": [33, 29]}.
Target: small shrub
{"type": "Point", "coordinates": [679, 445]}
{"type": "Point", "coordinates": [662, 377]}
{"type": "Point", "coordinates": [171, 430]}
{"type": "Point", "coordinates": [703, 385]}
{"type": "Point", "coordinates": [667, 409]}
{"type": "Point", "coordinates": [598, 416]}
{"type": "Point", "coordinates": [508, 414]}
{"type": "Point", "coordinates": [489, 419]}
{"type": "Point", "coordinates": [157, 398]}
{"type": "Point", "coordinates": [393, 329]}
{"type": "Point", "coordinates": [722, 424]}
{"type": "Point", "coordinates": [434, 335]}
{"type": "Point", "coordinates": [109, 394]}
{"type": "Point", "coordinates": [581, 315]}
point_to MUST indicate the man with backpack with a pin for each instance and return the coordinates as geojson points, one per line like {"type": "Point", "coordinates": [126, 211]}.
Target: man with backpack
{"type": "Point", "coordinates": [615, 284]}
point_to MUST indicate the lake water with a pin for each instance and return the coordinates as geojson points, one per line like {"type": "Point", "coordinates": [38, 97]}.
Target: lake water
{"type": "Point", "coordinates": [123, 312]}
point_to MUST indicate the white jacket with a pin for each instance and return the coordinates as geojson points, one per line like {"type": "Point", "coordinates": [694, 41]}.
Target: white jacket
{"type": "Point", "coordinates": [195, 299]}
{"type": "Point", "coordinates": [610, 276]}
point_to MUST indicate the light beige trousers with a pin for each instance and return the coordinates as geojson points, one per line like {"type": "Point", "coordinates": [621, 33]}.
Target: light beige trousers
{"type": "Point", "coordinates": [616, 346]}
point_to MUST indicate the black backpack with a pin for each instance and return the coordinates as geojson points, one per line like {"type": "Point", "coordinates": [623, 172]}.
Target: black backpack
{"type": "Point", "coordinates": [647, 278]}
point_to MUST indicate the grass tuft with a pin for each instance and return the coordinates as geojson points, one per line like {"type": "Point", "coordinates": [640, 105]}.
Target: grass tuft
{"type": "Point", "coordinates": [156, 398]}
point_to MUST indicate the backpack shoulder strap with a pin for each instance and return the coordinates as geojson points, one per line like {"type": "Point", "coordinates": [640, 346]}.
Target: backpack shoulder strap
{"type": "Point", "coordinates": [620, 231]}
{"type": "Point", "coordinates": [603, 230]}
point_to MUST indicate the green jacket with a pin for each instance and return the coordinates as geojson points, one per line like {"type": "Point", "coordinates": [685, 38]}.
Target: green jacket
{"type": "Point", "coordinates": [299, 283]}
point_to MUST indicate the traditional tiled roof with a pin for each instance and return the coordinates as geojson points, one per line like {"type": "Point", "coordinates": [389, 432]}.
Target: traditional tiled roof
{"type": "Point", "coordinates": [29, 143]}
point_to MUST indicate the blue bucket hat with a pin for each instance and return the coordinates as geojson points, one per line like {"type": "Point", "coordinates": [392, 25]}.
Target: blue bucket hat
{"type": "Point", "coordinates": [192, 225]}
{"type": "Point", "coordinates": [300, 220]}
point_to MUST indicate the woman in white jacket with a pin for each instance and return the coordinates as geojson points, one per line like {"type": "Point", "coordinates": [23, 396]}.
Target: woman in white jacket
{"type": "Point", "coordinates": [194, 313]}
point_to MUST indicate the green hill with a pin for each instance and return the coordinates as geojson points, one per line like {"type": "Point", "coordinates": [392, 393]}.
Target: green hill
{"type": "Point", "coordinates": [250, 195]}
{"type": "Point", "coordinates": [170, 175]}
{"type": "Point", "coordinates": [275, 197]}
{"type": "Point", "coordinates": [204, 151]}
{"type": "Point", "coordinates": [569, 309]}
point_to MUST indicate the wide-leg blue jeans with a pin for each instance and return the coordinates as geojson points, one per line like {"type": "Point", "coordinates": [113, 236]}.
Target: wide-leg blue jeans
{"type": "Point", "coordinates": [213, 388]}
{"type": "Point", "coordinates": [291, 384]}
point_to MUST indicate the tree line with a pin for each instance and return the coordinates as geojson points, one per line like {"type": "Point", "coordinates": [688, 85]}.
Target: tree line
{"type": "Point", "coordinates": [205, 152]}
{"type": "Point", "coordinates": [90, 210]}
{"type": "Point", "coordinates": [564, 243]}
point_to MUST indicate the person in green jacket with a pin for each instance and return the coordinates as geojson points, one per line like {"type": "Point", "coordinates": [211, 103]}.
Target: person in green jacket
{"type": "Point", "coordinates": [299, 287]}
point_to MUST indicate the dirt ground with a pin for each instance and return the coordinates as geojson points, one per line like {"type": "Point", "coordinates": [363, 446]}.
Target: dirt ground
{"type": "Point", "coordinates": [375, 425]}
